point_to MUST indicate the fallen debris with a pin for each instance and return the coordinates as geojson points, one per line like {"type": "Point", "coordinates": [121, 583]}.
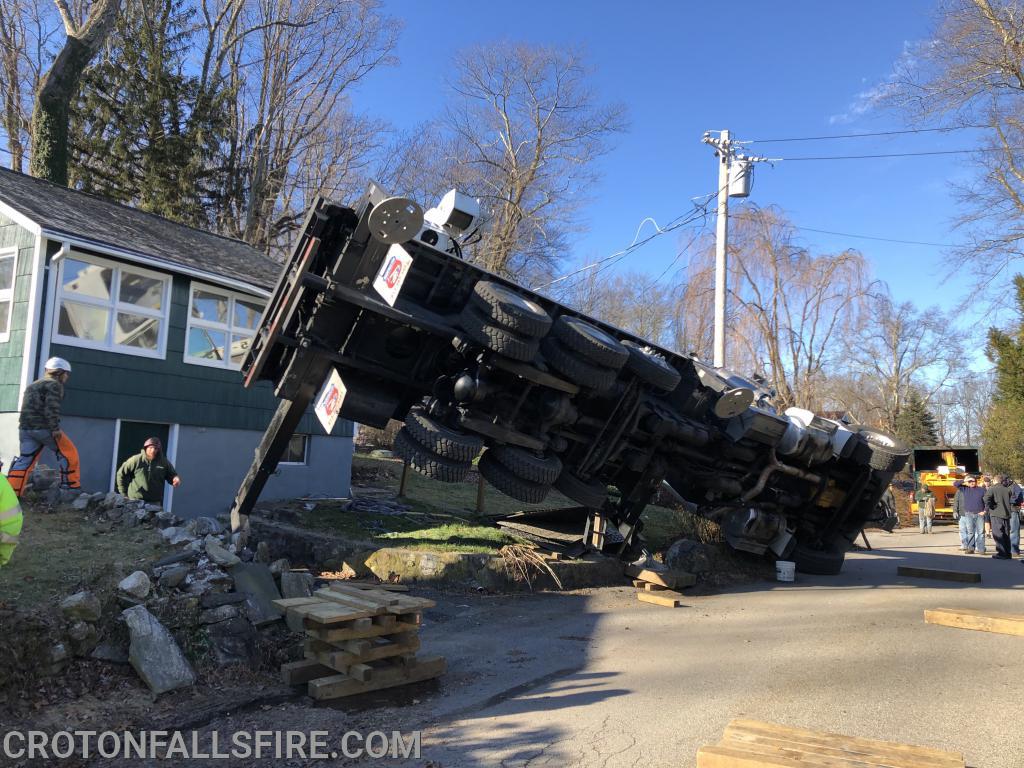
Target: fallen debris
{"type": "Point", "coordinates": [154, 654]}
{"type": "Point", "coordinates": [357, 640]}
{"type": "Point", "coordinates": [969, 577]}
{"type": "Point", "coordinates": [982, 621]}
{"type": "Point", "coordinates": [754, 744]}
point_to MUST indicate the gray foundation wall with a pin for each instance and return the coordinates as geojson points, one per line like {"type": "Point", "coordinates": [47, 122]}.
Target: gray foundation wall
{"type": "Point", "coordinates": [211, 462]}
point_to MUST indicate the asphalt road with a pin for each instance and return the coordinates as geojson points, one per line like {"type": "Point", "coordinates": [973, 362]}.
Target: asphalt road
{"type": "Point", "coordinates": [849, 654]}
{"type": "Point", "coordinates": [597, 678]}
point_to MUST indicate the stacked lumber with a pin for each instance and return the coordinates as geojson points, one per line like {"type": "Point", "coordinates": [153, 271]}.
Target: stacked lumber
{"type": "Point", "coordinates": [658, 587]}
{"type": "Point", "coordinates": [357, 639]}
{"type": "Point", "coordinates": [755, 744]}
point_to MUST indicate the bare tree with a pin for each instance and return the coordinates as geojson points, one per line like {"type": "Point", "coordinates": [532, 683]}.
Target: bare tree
{"type": "Point", "coordinates": [794, 310]}
{"type": "Point", "coordinates": [526, 130]}
{"type": "Point", "coordinates": [971, 73]}
{"type": "Point", "coordinates": [58, 87]}
{"type": "Point", "coordinates": [903, 346]}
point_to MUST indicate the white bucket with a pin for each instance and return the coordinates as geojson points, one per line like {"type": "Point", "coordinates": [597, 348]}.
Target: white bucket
{"type": "Point", "coordinates": [785, 570]}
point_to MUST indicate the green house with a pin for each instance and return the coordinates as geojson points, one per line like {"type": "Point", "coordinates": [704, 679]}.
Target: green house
{"type": "Point", "coordinates": [155, 319]}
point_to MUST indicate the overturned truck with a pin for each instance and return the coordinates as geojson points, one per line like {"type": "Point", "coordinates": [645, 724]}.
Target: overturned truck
{"type": "Point", "coordinates": [379, 300]}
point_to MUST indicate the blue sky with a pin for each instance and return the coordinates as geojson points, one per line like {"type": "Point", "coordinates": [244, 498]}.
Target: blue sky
{"type": "Point", "coordinates": [762, 70]}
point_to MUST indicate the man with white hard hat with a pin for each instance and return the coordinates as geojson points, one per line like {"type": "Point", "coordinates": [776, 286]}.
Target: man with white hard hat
{"type": "Point", "coordinates": [39, 428]}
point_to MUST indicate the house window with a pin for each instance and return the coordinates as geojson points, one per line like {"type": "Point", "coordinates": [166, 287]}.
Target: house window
{"type": "Point", "coordinates": [221, 326]}
{"type": "Point", "coordinates": [297, 451]}
{"type": "Point", "coordinates": [106, 305]}
{"type": "Point", "coordinates": [8, 263]}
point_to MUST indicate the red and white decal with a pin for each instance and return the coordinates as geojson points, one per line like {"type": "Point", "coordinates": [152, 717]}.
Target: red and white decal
{"type": "Point", "coordinates": [392, 273]}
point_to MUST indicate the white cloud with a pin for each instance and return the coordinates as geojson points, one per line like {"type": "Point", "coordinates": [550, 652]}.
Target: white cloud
{"type": "Point", "coordinates": [868, 99]}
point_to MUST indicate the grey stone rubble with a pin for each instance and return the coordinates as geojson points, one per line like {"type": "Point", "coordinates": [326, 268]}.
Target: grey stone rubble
{"type": "Point", "coordinates": [154, 654]}
{"type": "Point", "coordinates": [83, 605]}
{"type": "Point", "coordinates": [136, 585]}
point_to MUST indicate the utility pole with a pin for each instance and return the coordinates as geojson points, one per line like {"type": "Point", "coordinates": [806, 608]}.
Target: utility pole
{"type": "Point", "coordinates": [734, 174]}
{"type": "Point", "coordinates": [724, 153]}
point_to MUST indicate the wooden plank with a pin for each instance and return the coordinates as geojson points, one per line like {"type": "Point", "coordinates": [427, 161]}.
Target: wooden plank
{"type": "Point", "coordinates": [360, 672]}
{"type": "Point", "coordinates": [727, 756]}
{"type": "Point", "coordinates": [326, 614]}
{"type": "Point", "coordinates": [665, 597]}
{"type": "Point", "coordinates": [668, 579]}
{"type": "Point", "coordinates": [370, 596]}
{"type": "Point", "coordinates": [295, 672]}
{"type": "Point", "coordinates": [969, 577]}
{"type": "Point", "coordinates": [364, 585]}
{"type": "Point", "coordinates": [805, 738]}
{"type": "Point", "coordinates": [833, 748]}
{"type": "Point", "coordinates": [358, 603]}
{"type": "Point", "coordinates": [648, 587]}
{"type": "Point", "coordinates": [341, 661]}
{"type": "Point", "coordinates": [293, 602]}
{"type": "Point", "coordinates": [337, 686]}
{"type": "Point", "coordinates": [982, 621]}
{"type": "Point", "coordinates": [334, 635]}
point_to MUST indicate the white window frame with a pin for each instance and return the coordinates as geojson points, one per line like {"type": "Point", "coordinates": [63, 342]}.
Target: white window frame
{"type": "Point", "coordinates": [305, 452]}
{"type": "Point", "coordinates": [113, 306]}
{"type": "Point", "coordinates": [7, 294]}
{"type": "Point", "coordinates": [227, 328]}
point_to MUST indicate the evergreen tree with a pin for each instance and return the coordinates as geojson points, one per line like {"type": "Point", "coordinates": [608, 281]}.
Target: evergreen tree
{"type": "Point", "coordinates": [1006, 351]}
{"type": "Point", "coordinates": [1002, 433]}
{"type": "Point", "coordinates": [915, 424]}
{"type": "Point", "coordinates": [138, 137]}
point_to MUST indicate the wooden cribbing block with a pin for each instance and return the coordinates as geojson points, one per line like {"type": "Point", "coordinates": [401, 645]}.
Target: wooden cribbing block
{"type": "Point", "coordinates": [296, 672]}
{"type": "Point", "coordinates": [331, 635]}
{"type": "Point", "coordinates": [667, 579]}
{"type": "Point", "coordinates": [969, 577]}
{"type": "Point", "coordinates": [342, 660]}
{"type": "Point", "coordinates": [983, 621]}
{"type": "Point", "coordinates": [363, 585]}
{"type": "Point", "coordinates": [821, 748]}
{"type": "Point", "coordinates": [665, 597]}
{"type": "Point", "coordinates": [336, 686]}
{"type": "Point", "coordinates": [355, 603]}
{"type": "Point", "coordinates": [327, 614]}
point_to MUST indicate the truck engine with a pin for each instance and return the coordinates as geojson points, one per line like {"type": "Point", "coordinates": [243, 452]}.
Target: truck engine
{"type": "Point", "coordinates": [379, 298]}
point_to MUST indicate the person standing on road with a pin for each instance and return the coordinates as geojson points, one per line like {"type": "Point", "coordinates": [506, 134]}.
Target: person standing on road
{"type": "Point", "coordinates": [143, 475]}
{"type": "Point", "coordinates": [1001, 503]}
{"type": "Point", "coordinates": [925, 508]}
{"type": "Point", "coordinates": [39, 427]}
{"type": "Point", "coordinates": [1018, 493]}
{"type": "Point", "coordinates": [969, 506]}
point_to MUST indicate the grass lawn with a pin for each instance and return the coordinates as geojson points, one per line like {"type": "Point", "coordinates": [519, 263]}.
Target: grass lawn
{"type": "Point", "coordinates": [61, 551]}
{"type": "Point", "coordinates": [444, 516]}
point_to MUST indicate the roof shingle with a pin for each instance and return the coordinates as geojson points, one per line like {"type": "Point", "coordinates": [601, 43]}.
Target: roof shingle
{"type": "Point", "coordinates": [66, 211]}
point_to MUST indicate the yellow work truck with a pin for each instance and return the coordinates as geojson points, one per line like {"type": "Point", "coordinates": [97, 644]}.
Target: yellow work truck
{"type": "Point", "coordinates": [941, 468]}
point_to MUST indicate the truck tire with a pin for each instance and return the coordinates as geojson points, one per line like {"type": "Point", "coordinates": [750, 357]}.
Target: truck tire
{"type": "Point", "coordinates": [442, 440]}
{"type": "Point", "coordinates": [508, 309]}
{"type": "Point", "coordinates": [526, 464]}
{"type": "Point", "coordinates": [817, 562]}
{"type": "Point", "coordinates": [575, 368]}
{"type": "Point", "coordinates": [592, 494]}
{"type": "Point", "coordinates": [886, 452]}
{"type": "Point", "coordinates": [495, 338]}
{"type": "Point", "coordinates": [428, 463]}
{"type": "Point", "coordinates": [502, 478]}
{"type": "Point", "coordinates": [590, 342]}
{"type": "Point", "coordinates": [650, 368]}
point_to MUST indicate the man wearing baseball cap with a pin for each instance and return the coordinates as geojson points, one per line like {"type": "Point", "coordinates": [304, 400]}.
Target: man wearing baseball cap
{"type": "Point", "coordinates": [143, 475]}
{"type": "Point", "coordinates": [39, 427]}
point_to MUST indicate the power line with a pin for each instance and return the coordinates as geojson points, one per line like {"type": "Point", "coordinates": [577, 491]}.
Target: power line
{"type": "Point", "coordinates": [894, 154]}
{"type": "Point", "coordinates": [748, 217]}
{"type": "Point", "coordinates": [865, 135]}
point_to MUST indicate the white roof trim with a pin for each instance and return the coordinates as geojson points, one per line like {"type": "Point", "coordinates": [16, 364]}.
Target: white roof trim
{"type": "Point", "coordinates": [19, 218]}
{"type": "Point", "coordinates": [152, 261]}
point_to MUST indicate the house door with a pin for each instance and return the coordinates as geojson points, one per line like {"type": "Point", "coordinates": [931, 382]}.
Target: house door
{"type": "Point", "coordinates": [132, 434]}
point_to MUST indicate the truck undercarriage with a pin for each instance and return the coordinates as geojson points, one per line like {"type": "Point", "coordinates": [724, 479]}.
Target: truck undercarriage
{"type": "Point", "coordinates": [472, 362]}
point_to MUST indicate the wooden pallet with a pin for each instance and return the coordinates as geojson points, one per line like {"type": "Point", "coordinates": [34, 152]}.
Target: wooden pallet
{"type": "Point", "coordinates": [358, 639]}
{"type": "Point", "coordinates": [983, 621]}
{"type": "Point", "coordinates": [657, 586]}
{"type": "Point", "coordinates": [755, 744]}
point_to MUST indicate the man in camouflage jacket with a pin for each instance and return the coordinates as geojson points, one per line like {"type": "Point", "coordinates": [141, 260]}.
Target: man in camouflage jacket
{"type": "Point", "coordinates": [39, 428]}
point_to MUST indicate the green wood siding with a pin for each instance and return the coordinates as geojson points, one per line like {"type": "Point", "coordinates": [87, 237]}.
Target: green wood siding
{"type": "Point", "coordinates": [113, 385]}
{"type": "Point", "coordinates": [12, 351]}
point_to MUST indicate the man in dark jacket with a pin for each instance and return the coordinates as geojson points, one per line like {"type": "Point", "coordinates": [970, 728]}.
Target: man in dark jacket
{"type": "Point", "coordinates": [969, 506]}
{"type": "Point", "coordinates": [39, 428]}
{"type": "Point", "coordinates": [143, 475]}
{"type": "Point", "coordinates": [1001, 503]}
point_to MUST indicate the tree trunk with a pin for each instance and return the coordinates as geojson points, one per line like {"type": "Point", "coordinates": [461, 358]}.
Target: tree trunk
{"type": "Point", "coordinates": [59, 86]}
